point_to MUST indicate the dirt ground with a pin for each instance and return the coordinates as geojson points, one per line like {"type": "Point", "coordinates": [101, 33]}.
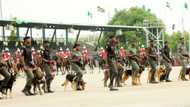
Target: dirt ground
{"type": "Point", "coordinates": [174, 94]}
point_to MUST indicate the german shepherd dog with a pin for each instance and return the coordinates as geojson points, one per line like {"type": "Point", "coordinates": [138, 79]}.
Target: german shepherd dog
{"type": "Point", "coordinates": [71, 78]}
{"type": "Point", "coordinates": [188, 71]}
{"type": "Point", "coordinates": [39, 75]}
{"type": "Point", "coordinates": [141, 61]}
{"type": "Point", "coordinates": [39, 79]}
{"type": "Point", "coordinates": [128, 73]}
{"type": "Point", "coordinates": [9, 85]}
{"type": "Point", "coordinates": [160, 71]}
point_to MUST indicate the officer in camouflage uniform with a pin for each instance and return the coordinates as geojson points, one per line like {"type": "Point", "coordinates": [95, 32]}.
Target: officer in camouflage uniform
{"type": "Point", "coordinates": [166, 60]}
{"type": "Point", "coordinates": [152, 57]}
{"type": "Point", "coordinates": [77, 64]}
{"type": "Point", "coordinates": [133, 60]}
{"type": "Point", "coordinates": [46, 54]}
{"type": "Point", "coordinates": [28, 64]}
{"type": "Point", "coordinates": [111, 60]}
{"type": "Point", "coordinates": [183, 55]}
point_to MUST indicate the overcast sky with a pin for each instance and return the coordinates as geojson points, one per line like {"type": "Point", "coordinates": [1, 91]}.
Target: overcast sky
{"type": "Point", "coordinates": [75, 11]}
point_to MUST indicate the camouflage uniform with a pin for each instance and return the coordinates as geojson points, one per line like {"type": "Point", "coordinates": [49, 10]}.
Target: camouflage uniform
{"type": "Point", "coordinates": [153, 62]}
{"type": "Point", "coordinates": [46, 54]}
{"type": "Point", "coordinates": [183, 55]}
{"type": "Point", "coordinates": [28, 63]}
{"type": "Point", "coordinates": [133, 63]}
{"type": "Point", "coordinates": [111, 60]}
{"type": "Point", "coordinates": [166, 60]}
{"type": "Point", "coordinates": [77, 66]}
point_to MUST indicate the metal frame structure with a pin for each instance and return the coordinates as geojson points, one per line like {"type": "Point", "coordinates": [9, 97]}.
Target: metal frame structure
{"type": "Point", "coordinates": [154, 32]}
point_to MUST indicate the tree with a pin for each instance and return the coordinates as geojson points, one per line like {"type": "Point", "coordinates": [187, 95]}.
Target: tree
{"type": "Point", "coordinates": [13, 36]}
{"type": "Point", "coordinates": [173, 40]}
{"type": "Point", "coordinates": [132, 17]}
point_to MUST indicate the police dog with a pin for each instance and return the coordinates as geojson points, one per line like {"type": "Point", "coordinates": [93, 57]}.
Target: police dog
{"type": "Point", "coordinates": [39, 78]}
{"type": "Point", "coordinates": [9, 85]}
{"type": "Point", "coordinates": [71, 78]}
{"type": "Point", "coordinates": [188, 70]}
{"type": "Point", "coordinates": [128, 73]}
{"type": "Point", "coordinates": [160, 71]}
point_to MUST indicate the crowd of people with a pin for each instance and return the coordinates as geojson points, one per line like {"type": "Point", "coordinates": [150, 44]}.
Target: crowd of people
{"type": "Point", "coordinates": [40, 66]}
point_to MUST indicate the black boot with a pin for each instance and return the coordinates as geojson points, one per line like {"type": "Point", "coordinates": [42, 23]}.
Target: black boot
{"type": "Point", "coordinates": [48, 87]}
{"type": "Point", "coordinates": [50, 91]}
{"type": "Point", "coordinates": [25, 91]}
{"type": "Point", "coordinates": [29, 92]}
{"type": "Point", "coordinates": [111, 88]}
{"type": "Point", "coordinates": [78, 86]}
{"type": "Point", "coordinates": [3, 90]}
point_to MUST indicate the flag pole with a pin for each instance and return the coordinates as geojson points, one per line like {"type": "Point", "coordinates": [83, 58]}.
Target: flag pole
{"type": "Point", "coordinates": [186, 8]}
{"type": "Point", "coordinates": [1, 10]}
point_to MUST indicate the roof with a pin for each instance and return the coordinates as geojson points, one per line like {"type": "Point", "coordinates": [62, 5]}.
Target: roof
{"type": "Point", "coordinates": [73, 26]}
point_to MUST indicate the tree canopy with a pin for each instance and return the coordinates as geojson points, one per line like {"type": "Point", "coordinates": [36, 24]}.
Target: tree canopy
{"type": "Point", "coordinates": [131, 17]}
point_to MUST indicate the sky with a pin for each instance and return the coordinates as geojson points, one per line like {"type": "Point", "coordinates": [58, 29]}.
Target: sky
{"type": "Point", "coordinates": [75, 11]}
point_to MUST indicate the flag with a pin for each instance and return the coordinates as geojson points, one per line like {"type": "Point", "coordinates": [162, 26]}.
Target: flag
{"type": "Point", "coordinates": [116, 10]}
{"type": "Point", "coordinates": [186, 6]}
{"type": "Point", "coordinates": [144, 7]}
{"type": "Point", "coordinates": [100, 9]}
{"type": "Point", "coordinates": [89, 14]}
{"type": "Point", "coordinates": [173, 27]}
{"type": "Point", "coordinates": [149, 10]}
{"type": "Point", "coordinates": [168, 5]}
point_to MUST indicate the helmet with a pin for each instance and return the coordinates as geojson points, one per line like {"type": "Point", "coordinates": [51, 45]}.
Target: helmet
{"type": "Point", "coordinates": [33, 49]}
{"type": "Point", "coordinates": [101, 48]}
{"type": "Point", "coordinates": [121, 47]}
{"type": "Point", "coordinates": [41, 47]}
{"type": "Point", "coordinates": [6, 49]}
{"type": "Point", "coordinates": [18, 50]}
{"type": "Point", "coordinates": [67, 49]}
{"type": "Point", "coordinates": [60, 49]}
{"type": "Point", "coordinates": [84, 47]}
{"type": "Point", "coordinates": [38, 51]}
{"type": "Point", "coordinates": [142, 46]}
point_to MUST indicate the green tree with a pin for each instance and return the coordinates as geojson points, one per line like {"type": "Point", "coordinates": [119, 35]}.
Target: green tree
{"type": "Point", "coordinates": [132, 17]}
{"type": "Point", "coordinates": [13, 36]}
{"type": "Point", "coordinates": [173, 40]}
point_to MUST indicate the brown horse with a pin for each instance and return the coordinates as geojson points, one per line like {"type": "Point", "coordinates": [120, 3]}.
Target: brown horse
{"type": "Point", "coordinates": [62, 63]}
{"type": "Point", "coordinates": [59, 64]}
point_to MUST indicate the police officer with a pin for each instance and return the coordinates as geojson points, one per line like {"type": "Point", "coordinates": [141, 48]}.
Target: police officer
{"type": "Point", "coordinates": [133, 59]}
{"type": "Point", "coordinates": [152, 57]}
{"type": "Point", "coordinates": [46, 54]}
{"type": "Point", "coordinates": [111, 60]}
{"type": "Point", "coordinates": [77, 64]}
{"type": "Point", "coordinates": [183, 55]}
{"type": "Point", "coordinates": [166, 60]}
{"type": "Point", "coordinates": [28, 64]}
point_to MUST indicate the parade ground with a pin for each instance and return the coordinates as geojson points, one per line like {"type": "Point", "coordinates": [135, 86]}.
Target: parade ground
{"type": "Point", "coordinates": [173, 94]}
